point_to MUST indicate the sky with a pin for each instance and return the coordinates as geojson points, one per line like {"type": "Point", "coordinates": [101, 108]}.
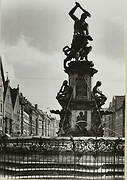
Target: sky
{"type": "Point", "coordinates": [34, 33]}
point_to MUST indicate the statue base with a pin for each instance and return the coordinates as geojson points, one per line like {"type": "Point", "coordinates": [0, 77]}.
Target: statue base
{"type": "Point", "coordinates": [83, 119]}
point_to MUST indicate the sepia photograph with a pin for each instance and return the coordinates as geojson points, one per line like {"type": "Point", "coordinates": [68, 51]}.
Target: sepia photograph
{"type": "Point", "coordinates": [62, 89]}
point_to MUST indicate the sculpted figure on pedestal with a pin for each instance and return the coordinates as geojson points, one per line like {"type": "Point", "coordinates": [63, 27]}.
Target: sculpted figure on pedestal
{"type": "Point", "coordinates": [98, 96]}
{"type": "Point", "coordinates": [64, 94]}
{"type": "Point", "coordinates": [79, 48]}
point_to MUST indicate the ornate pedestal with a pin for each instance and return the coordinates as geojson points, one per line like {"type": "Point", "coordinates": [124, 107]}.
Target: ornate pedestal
{"type": "Point", "coordinates": [81, 103]}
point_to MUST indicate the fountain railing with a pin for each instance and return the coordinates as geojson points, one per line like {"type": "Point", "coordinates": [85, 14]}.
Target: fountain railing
{"type": "Point", "coordinates": [62, 157]}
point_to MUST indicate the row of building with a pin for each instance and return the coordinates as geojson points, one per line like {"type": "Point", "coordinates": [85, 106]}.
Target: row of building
{"type": "Point", "coordinates": [18, 117]}
{"type": "Point", "coordinates": [114, 123]}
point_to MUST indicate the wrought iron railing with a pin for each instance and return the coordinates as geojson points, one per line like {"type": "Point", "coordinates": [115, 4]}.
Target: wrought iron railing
{"type": "Point", "coordinates": [85, 158]}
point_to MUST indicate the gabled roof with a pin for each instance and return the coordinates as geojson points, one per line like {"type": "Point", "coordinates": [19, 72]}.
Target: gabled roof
{"type": "Point", "coordinates": [6, 85]}
{"type": "Point", "coordinates": [14, 93]}
{"type": "Point", "coordinates": [2, 71]}
{"type": "Point", "coordinates": [119, 100]}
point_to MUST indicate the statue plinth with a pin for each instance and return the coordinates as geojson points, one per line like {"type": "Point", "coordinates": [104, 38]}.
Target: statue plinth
{"type": "Point", "coordinates": [80, 73]}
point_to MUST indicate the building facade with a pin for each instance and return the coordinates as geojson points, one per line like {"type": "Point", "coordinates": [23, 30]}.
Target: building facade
{"type": "Point", "coordinates": [8, 109]}
{"type": "Point", "coordinates": [115, 122]}
{"type": "Point", "coordinates": [16, 111]}
{"type": "Point", "coordinates": [18, 117]}
{"type": "Point", "coordinates": [35, 122]}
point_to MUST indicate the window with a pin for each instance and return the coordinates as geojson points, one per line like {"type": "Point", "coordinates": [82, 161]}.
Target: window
{"type": "Point", "coordinates": [1, 108]}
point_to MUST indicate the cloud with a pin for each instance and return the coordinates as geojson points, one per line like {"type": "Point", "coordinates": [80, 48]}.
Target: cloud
{"type": "Point", "coordinates": [50, 28]}
{"type": "Point", "coordinates": [44, 25]}
{"type": "Point", "coordinates": [39, 74]}
{"type": "Point", "coordinates": [35, 31]}
{"type": "Point", "coordinates": [112, 41]}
